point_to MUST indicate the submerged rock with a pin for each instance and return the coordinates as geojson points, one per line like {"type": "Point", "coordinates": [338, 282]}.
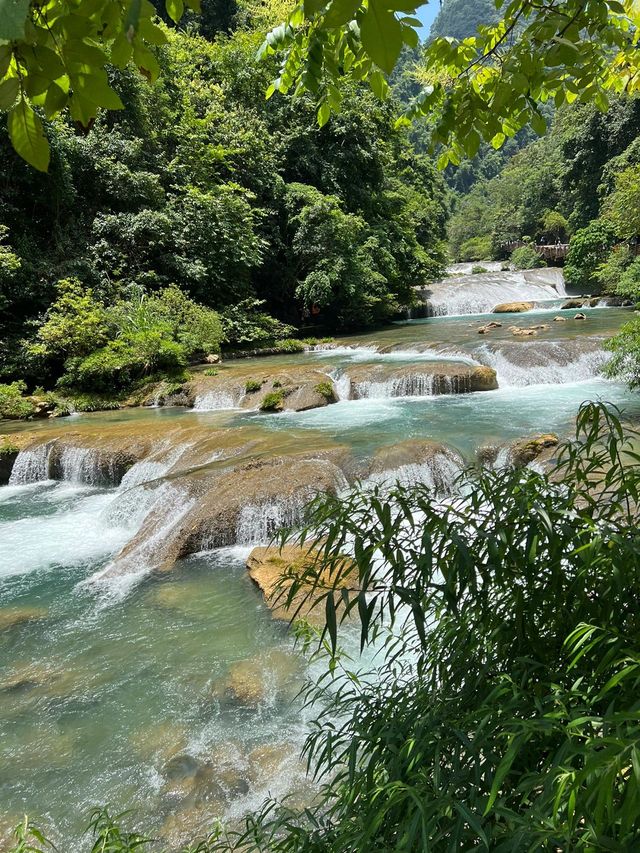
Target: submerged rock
{"type": "Point", "coordinates": [580, 317]}
{"type": "Point", "coordinates": [513, 307]}
{"type": "Point", "coordinates": [559, 319]}
{"type": "Point", "coordinates": [274, 569]}
{"type": "Point", "coordinates": [571, 304]}
{"type": "Point", "coordinates": [259, 680]}
{"type": "Point", "coordinates": [11, 617]}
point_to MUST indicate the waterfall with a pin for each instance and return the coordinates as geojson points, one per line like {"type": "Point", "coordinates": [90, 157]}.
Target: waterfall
{"type": "Point", "coordinates": [543, 363]}
{"type": "Point", "coordinates": [212, 401]}
{"type": "Point", "coordinates": [32, 465]}
{"type": "Point", "coordinates": [413, 385]}
{"type": "Point", "coordinates": [438, 472]}
{"type": "Point", "coordinates": [479, 294]}
{"type": "Point", "coordinates": [258, 522]}
{"type": "Point", "coordinates": [84, 465]}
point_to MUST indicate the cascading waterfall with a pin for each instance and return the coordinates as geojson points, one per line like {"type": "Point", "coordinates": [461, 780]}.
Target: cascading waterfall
{"type": "Point", "coordinates": [414, 385]}
{"type": "Point", "coordinates": [542, 363]}
{"type": "Point", "coordinates": [479, 294]}
{"type": "Point", "coordinates": [32, 465]}
{"type": "Point", "coordinates": [257, 523]}
{"type": "Point", "coordinates": [439, 472]}
{"type": "Point", "coordinates": [213, 401]}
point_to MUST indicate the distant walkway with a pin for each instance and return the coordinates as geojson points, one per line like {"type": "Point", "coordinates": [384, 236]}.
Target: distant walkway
{"type": "Point", "coordinates": [550, 251]}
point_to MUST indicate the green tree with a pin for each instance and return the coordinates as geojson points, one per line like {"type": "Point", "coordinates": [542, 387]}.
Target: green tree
{"type": "Point", "coordinates": [622, 207]}
{"type": "Point", "coordinates": [588, 249]}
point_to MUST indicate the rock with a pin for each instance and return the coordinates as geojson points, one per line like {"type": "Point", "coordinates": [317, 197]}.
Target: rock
{"type": "Point", "coordinates": [270, 761]}
{"type": "Point", "coordinates": [10, 447]}
{"type": "Point", "coordinates": [11, 617]}
{"type": "Point", "coordinates": [297, 388]}
{"type": "Point", "coordinates": [162, 742]}
{"type": "Point", "coordinates": [189, 825]}
{"type": "Point", "coordinates": [571, 304]}
{"type": "Point", "coordinates": [526, 450]}
{"type": "Point", "coordinates": [559, 319]}
{"type": "Point", "coordinates": [513, 307]}
{"type": "Point", "coordinates": [213, 358]}
{"type": "Point", "coordinates": [524, 333]}
{"type": "Point", "coordinates": [484, 329]}
{"type": "Point", "coordinates": [580, 317]}
{"type": "Point", "coordinates": [273, 570]}
{"type": "Point", "coordinates": [519, 453]}
{"type": "Point", "coordinates": [259, 680]}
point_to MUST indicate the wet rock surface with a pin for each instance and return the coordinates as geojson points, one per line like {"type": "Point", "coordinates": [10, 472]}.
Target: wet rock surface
{"type": "Point", "coordinates": [513, 307]}
{"type": "Point", "coordinates": [274, 569]}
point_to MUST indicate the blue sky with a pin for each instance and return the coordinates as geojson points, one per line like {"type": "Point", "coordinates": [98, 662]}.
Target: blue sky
{"type": "Point", "coordinates": [426, 14]}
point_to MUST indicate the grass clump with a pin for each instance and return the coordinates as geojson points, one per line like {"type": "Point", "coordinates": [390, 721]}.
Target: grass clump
{"type": "Point", "coordinates": [252, 385]}
{"type": "Point", "coordinates": [273, 401]}
{"type": "Point", "coordinates": [325, 389]}
{"type": "Point", "coordinates": [477, 269]}
{"type": "Point", "coordinates": [290, 345]}
{"type": "Point", "coordinates": [211, 371]}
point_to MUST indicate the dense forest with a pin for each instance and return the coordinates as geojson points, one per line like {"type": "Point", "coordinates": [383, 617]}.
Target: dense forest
{"type": "Point", "coordinates": [200, 190]}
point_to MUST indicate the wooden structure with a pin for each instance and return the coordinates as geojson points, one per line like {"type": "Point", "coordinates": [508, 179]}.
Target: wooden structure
{"type": "Point", "coordinates": [549, 251]}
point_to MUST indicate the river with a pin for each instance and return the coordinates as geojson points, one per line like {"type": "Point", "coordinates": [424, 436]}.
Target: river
{"type": "Point", "coordinates": [173, 691]}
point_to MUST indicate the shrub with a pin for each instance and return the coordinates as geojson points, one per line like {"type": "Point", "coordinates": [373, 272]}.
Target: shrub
{"type": "Point", "coordinates": [290, 345]}
{"type": "Point", "coordinates": [126, 360]}
{"type": "Point", "coordinates": [277, 383]}
{"type": "Point", "coordinates": [526, 258]}
{"type": "Point", "coordinates": [477, 270]}
{"type": "Point", "coordinates": [272, 401]}
{"type": "Point", "coordinates": [13, 405]}
{"type": "Point", "coordinates": [476, 249]}
{"type": "Point", "coordinates": [211, 371]}
{"type": "Point", "coordinates": [325, 389]}
{"type": "Point", "coordinates": [252, 385]}
{"type": "Point", "coordinates": [244, 325]}
{"type": "Point", "coordinates": [625, 346]}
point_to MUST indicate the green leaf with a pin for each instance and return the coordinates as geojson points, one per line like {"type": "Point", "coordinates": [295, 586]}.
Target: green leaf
{"type": "Point", "coordinates": [13, 17]}
{"type": "Point", "coordinates": [381, 36]}
{"type": "Point", "coordinates": [121, 51]}
{"type": "Point", "coordinates": [27, 136]}
{"type": "Point", "coordinates": [312, 7]}
{"type": "Point", "coordinates": [324, 114]}
{"type": "Point", "coordinates": [341, 12]}
{"type": "Point", "coordinates": [9, 89]}
{"type": "Point", "coordinates": [175, 9]}
{"type": "Point", "coordinates": [379, 85]}
{"type": "Point", "coordinates": [55, 101]}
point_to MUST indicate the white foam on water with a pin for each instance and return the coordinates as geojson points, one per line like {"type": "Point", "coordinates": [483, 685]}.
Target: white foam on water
{"type": "Point", "coordinates": [74, 534]}
{"type": "Point", "coordinates": [415, 385]}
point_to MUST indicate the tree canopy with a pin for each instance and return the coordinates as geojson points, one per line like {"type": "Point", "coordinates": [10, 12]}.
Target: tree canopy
{"type": "Point", "coordinates": [55, 56]}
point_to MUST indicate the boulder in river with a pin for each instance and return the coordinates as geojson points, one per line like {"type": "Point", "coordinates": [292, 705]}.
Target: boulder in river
{"type": "Point", "coordinates": [580, 316]}
{"type": "Point", "coordinates": [513, 307]}
{"type": "Point", "coordinates": [538, 448]}
{"type": "Point", "coordinates": [274, 569]}
{"type": "Point", "coordinates": [559, 319]}
{"type": "Point", "coordinates": [12, 617]}
{"type": "Point", "coordinates": [572, 304]}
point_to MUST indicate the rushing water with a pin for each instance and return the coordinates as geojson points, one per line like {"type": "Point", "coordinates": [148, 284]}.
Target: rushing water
{"type": "Point", "coordinates": [176, 693]}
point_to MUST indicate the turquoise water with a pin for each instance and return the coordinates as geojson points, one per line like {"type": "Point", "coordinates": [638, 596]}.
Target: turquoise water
{"type": "Point", "coordinates": [178, 695]}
